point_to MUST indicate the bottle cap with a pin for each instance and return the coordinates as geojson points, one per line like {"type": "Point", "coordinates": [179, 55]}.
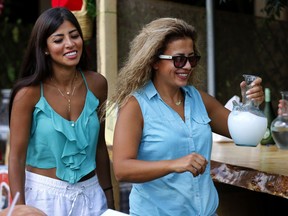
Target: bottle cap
{"type": "Point", "coordinates": [267, 95]}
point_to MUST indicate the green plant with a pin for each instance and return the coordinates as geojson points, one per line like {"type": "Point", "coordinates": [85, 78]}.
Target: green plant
{"type": "Point", "coordinates": [14, 36]}
{"type": "Point", "coordinates": [91, 8]}
{"type": "Point", "coordinates": [272, 8]}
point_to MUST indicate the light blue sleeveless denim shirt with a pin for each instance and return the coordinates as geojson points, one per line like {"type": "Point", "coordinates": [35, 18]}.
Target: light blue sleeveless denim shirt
{"type": "Point", "coordinates": [70, 146]}
{"type": "Point", "coordinates": [166, 137]}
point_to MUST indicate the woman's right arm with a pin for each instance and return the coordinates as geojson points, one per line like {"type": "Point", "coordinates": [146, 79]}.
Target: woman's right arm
{"type": "Point", "coordinates": [20, 123]}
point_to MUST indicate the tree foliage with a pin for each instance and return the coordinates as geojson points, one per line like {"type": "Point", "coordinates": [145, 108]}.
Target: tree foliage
{"type": "Point", "coordinates": [272, 8]}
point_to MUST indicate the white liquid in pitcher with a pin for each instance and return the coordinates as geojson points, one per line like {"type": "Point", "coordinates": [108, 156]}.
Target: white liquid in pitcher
{"type": "Point", "coordinates": [246, 129]}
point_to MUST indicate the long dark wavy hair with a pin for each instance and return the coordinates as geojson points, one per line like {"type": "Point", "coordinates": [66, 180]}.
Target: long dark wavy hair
{"type": "Point", "coordinates": [36, 66]}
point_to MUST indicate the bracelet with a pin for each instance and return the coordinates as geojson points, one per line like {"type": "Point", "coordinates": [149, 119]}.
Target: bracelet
{"type": "Point", "coordinates": [108, 188]}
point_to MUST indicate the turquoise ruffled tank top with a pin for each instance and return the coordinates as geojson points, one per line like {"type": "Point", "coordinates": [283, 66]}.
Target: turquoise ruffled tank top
{"type": "Point", "coordinates": [68, 146]}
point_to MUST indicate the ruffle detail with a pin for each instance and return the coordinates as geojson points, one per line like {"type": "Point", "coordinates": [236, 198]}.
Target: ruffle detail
{"type": "Point", "coordinates": [74, 150]}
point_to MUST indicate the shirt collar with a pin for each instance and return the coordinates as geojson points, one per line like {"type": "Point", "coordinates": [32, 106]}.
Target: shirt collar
{"type": "Point", "coordinates": [151, 91]}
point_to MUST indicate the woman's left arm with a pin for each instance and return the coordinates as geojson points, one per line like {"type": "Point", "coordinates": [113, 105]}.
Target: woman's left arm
{"type": "Point", "coordinates": [219, 114]}
{"type": "Point", "coordinates": [100, 88]}
{"type": "Point", "coordinates": [103, 167]}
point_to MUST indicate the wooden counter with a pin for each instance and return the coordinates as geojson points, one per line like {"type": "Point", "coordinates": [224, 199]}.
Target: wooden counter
{"type": "Point", "coordinates": [249, 180]}
{"type": "Point", "coordinates": [262, 168]}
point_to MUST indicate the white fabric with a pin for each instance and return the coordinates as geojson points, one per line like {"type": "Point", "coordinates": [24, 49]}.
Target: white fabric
{"type": "Point", "coordinates": [56, 197]}
{"type": "Point", "coordinates": [111, 212]}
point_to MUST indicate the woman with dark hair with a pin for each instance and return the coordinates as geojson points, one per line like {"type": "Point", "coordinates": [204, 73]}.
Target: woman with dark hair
{"type": "Point", "coordinates": [57, 145]}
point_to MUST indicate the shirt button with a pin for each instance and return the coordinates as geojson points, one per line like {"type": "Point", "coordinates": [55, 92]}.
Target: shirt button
{"type": "Point", "coordinates": [72, 124]}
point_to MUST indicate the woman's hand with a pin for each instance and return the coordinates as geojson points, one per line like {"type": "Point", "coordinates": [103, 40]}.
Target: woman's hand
{"type": "Point", "coordinates": [194, 163]}
{"type": "Point", "coordinates": [282, 106]}
{"type": "Point", "coordinates": [255, 93]}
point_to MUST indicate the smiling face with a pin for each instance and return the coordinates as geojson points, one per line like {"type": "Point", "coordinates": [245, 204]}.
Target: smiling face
{"type": "Point", "coordinates": [165, 71]}
{"type": "Point", "coordinates": [65, 46]}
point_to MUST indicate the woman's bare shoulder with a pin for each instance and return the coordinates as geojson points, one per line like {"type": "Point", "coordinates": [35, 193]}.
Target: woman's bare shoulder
{"type": "Point", "coordinates": [95, 79]}
{"type": "Point", "coordinates": [28, 95]}
{"type": "Point", "coordinates": [97, 83]}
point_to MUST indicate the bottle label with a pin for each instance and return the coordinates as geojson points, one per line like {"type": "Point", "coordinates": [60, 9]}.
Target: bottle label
{"type": "Point", "coordinates": [267, 134]}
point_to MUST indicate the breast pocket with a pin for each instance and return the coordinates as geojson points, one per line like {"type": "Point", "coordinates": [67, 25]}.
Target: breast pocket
{"type": "Point", "coordinates": [200, 123]}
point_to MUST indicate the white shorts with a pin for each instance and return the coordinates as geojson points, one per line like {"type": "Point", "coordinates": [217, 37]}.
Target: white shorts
{"type": "Point", "coordinates": [59, 198]}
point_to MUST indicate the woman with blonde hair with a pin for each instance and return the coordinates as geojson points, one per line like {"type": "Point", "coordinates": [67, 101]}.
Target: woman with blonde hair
{"type": "Point", "coordinates": [163, 134]}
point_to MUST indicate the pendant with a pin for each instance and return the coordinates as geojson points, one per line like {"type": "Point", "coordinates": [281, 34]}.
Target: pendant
{"type": "Point", "coordinates": [178, 102]}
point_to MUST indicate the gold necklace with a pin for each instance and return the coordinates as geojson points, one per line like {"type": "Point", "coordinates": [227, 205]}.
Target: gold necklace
{"type": "Point", "coordinates": [68, 96]}
{"type": "Point", "coordinates": [178, 103]}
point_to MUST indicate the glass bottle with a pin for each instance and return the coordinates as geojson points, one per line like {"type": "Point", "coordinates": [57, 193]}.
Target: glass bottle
{"type": "Point", "coordinates": [279, 125]}
{"type": "Point", "coordinates": [246, 122]}
{"type": "Point", "coordinates": [270, 114]}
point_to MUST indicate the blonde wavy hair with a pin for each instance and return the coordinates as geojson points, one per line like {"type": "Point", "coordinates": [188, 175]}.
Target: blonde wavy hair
{"type": "Point", "coordinates": [144, 50]}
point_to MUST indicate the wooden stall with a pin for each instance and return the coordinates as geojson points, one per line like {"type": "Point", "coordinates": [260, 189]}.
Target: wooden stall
{"type": "Point", "coordinates": [250, 180]}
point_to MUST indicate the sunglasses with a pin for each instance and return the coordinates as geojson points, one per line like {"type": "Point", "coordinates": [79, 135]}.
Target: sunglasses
{"type": "Point", "coordinates": [180, 61]}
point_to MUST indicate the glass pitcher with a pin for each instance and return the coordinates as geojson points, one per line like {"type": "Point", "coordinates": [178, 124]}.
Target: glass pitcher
{"type": "Point", "coordinates": [279, 125]}
{"type": "Point", "coordinates": [246, 122]}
